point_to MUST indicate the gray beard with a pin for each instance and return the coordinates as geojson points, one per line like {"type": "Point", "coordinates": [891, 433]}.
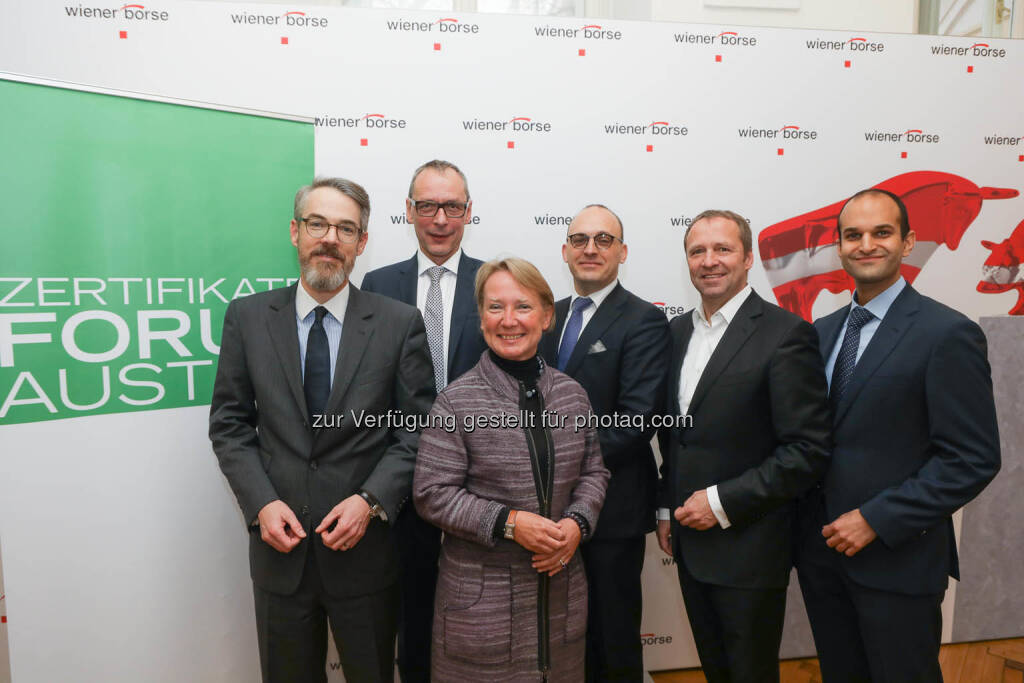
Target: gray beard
{"type": "Point", "coordinates": [325, 281]}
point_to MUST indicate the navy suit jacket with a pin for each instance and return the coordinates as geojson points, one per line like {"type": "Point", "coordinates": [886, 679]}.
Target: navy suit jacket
{"type": "Point", "coordinates": [624, 374]}
{"type": "Point", "coordinates": [915, 439]}
{"type": "Point", "coordinates": [465, 341]}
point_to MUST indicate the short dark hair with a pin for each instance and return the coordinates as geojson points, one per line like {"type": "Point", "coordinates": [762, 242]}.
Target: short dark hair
{"type": "Point", "coordinates": [622, 230]}
{"type": "Point", "coordinates": [746, 238]}
{"type": "Point", "coordinates": [439, 165]}
{"type": "Point", "coordinates": [350, 189]}
{"type": "Point", "coordinates": [904, 218]}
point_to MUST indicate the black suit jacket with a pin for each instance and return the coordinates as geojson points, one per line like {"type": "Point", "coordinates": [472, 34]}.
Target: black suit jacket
{"type": "Point", "coordinates": [267, 449]}
{"type": "Point", "coordinates": [915, 439]}
{"type": "Point", "coordinates": [465, 341]}
{"type": "Point", "coordinates": [621, 359]}
{"type": "Point", "coordinates": [761, 432]}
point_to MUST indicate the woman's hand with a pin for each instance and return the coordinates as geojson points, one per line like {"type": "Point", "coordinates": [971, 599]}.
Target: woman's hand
{"type": "Point", "coordinates": [558, 559]}
{"type": "Point", "coordinates": [539, 534]}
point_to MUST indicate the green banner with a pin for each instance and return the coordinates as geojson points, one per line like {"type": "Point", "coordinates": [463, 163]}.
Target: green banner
{"type": "Point", "coordinates": [128, 226]}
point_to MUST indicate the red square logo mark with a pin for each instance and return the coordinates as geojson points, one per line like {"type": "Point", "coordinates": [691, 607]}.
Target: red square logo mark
{"type": "Point", "coordinates": [718, 58]}
{"type": "Point", "coordinates": [511, 144]}
{"type": "Point", "coordinates": [437, 47]}
{"type": "Point", "coordinates": [3, 619]}
{"type": "Point", "coordinates": [846, 64]}
{"type": "Point", "coordinates": [780, 151]}
{"type": "Point", "coordinates": [284, 40]}
{"type": "Point", "coordinates": [583, 52]}
{"type": "Point", "coordinates": [970, 69]}
{"type": "Point", "coordinates": [363, 142]}
{"type": "Point", "coordinates": [1020, 158]}
{"type": "Point", "coordinates": [650, 148]}
{"type": "Point", "coordinates": [903, 155]}
{"type": "Point", "coordinates": [122, 34]}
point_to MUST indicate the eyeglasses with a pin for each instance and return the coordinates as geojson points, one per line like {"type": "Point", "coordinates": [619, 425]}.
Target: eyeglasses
{"type": "Point", "coordinates": [318, 227]}
{"type": "Point", "coordinates": [428, 208]}
{"type": "Point", "coordinates": [603, 240]}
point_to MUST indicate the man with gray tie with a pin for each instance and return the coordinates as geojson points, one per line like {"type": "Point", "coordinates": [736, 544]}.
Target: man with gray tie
{"type": "Point", "coordinates": [439, 280]}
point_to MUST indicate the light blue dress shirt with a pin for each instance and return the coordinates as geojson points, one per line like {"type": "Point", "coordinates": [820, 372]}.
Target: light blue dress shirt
{"type": "Point", "coordinates": [878, 307]}
{"type": "Point", "coordinates": [305, 317]}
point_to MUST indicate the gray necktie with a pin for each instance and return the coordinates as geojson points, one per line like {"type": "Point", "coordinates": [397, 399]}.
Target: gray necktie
{"type": "Point", "coordinates": [433, 318]}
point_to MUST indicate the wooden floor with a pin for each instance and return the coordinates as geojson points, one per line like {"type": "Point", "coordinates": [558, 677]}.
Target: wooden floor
{"type": "Point", "coordinates": [992, 661]}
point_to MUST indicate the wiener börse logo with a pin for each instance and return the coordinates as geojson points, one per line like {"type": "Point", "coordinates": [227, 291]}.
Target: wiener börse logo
{"type": "Point", "coordinates": [655, 639]}
{"type": "Point", "coordinates": [1004, 140]}
{"type": "Point", "coordinates": [123, 13]}
{"type": "Point", "coordinates": [517, 124]}
{"type": "Point", "coordinates": [663, 128]}
{"type": "Point", "coordinates": [787, 132]}
{"type": "Point", "coordinates": [913, 135]}
{"type": "Point", "coordinates": [443, 25]}
{"type": "Point", "coordinates": [552, 220]}
{"type": "Point", "coordinates": [976, 50]}
{"type": "Point", "coordinates": [588, 32]}
{"type": "Point", "coordinates": [726, 38]}
{"type": "Point", "coordinates": [670, 310]}
{"type": "Point", "coordinates": [370, 121]}
{"type": "Point", "coordinates": [855, 44]}
{"type": "Point", "coordinates": [291, 18]}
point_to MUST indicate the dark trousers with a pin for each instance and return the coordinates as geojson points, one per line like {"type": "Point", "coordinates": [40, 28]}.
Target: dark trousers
{"type": "Point", "coordinates": [614, 650]}
{"type": "Point", "coordinates": [737, 630]}
{"type": "Point", "coordinates": [863, 634]}
{"type": "Point", "coordinates": [419, 547]}
{"type": "Point", "coordinates": [292, 631]}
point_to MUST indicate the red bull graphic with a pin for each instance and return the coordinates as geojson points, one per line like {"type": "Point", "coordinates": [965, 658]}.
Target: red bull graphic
{"type": "Point", "coordinates": [1003, 270]}
{"type": "Point", "coordinates": [799, 257]}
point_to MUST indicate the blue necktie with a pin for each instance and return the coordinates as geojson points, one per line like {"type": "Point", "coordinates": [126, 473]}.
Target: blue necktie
{"type": "Point", "coordinates": [846, 360]}
{"type": "Point", "coordinates": [317, 379]}
{"type": "Point", "coordinates": [572, 331]}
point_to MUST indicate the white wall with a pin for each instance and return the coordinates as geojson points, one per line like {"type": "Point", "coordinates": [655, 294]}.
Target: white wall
{"type": "Point", "coordinates": [888, 16]}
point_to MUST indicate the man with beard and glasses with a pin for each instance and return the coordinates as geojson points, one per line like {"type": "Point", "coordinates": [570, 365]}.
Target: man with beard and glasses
{"type": "Point", "coordinates": [439, 280]}
{"type": "Point", "coordinates": [318, 485]}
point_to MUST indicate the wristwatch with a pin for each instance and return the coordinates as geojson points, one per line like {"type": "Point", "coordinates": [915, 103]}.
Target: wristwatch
{"type": "Point", "coordinates": [375, 509]}
{"type": "Point", "coordinates": [510, 526]}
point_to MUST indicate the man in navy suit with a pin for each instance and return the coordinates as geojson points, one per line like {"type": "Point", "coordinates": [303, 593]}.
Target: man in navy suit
{"type": "Point", "coordinates": [617, 346]}
{"type": "Point", "coordinates": [439, 280]}
{"type": "Point", "coordinates": [915, 439]}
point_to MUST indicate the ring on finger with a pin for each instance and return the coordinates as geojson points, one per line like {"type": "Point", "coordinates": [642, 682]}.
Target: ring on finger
{"type": "Point", "coordinates": [562, 562]}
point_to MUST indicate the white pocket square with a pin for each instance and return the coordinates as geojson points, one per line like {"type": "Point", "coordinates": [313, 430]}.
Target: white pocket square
{"type": "Point", "coordinates": [596, 347]}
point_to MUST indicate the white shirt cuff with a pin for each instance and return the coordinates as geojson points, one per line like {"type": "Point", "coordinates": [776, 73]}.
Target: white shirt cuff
{"type": "Point", "coordinates": [716, 507]}
{"type": "Point", "coordinates": [664, 515]}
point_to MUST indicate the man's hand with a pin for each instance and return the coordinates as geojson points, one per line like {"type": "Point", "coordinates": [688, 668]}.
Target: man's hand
{"type": "Point", "coordinates": [665, 535]}
{"type": "Point", "coordinates": [538, 534]}
{"type": "Point", "coordinates": [279, 528]}
{"type": "Point", "coordinates": [849, 533]}
{"type": "Point", "coordinates": [696, 512]}
{"type": "Point", "coordinates": [350, 518]}
{"type": "Point", "coordinates": [557, 560]}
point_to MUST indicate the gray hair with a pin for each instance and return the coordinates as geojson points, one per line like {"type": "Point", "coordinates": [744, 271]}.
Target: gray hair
{"type": "Point", "coordinates": [746, 238]}
{"type": "Point", "coordinates": [441, 166]}
{"type": "Point", "coordinates": [350, 189]}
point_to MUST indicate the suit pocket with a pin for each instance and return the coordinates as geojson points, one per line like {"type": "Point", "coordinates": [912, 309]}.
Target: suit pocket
{"type": "Point", "coordinates": [481, 632]}
{"type": "Point", "coordinates": [576, 606]}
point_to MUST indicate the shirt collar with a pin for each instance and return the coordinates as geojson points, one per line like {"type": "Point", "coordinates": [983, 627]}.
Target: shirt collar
{"type": "Point", "coordinates": [423, 264]}
{"type": "Point", "coordinates": [728, 311]}
{"type": "Point", "coordinates": [879, 306]}
{"type": "Point", "coordinates": [597, 297]}
{"type": "Point", "coordinates": [336, 305]}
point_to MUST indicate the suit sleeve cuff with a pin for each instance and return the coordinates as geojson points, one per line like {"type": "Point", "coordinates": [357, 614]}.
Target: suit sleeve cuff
{"type": "Point", "coordinates": [664, 515]}
{"type": "Point", "coordinates": [716, 507]}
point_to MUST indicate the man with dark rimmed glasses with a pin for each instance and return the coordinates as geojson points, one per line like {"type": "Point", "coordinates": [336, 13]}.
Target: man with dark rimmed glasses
{"type": "Point", "coordinates": [439, 280]}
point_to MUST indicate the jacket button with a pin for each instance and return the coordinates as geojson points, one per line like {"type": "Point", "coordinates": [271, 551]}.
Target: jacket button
{"type": "Point", "coordinates": [305, 509]}
{"type": "Point", "coordinates": [312, 464]}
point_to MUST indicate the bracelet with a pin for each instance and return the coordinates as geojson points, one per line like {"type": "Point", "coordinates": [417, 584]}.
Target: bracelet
{"type": "Point", "coordinates": [510, 526]}
{"type": "Point", "coordinates": [581, 522]}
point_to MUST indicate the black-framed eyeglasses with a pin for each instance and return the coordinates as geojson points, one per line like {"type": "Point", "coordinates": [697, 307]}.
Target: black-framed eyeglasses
{"type": "Point", "coordinates": [428, 208]}
{"type": "Point", "coordinates": [603, 240]}
{"type": "Point", "coordinates": [318, 227]}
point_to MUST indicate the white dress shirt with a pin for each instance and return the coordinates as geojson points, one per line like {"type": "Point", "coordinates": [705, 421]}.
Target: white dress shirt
{"type": "Point", "coordinates": [703, 342]}
{"type": "Point", "coordinates": [597, 298]}
{"type": "Point", "coordinates": [332, 322]}
{"type": "Point", "coordinates": [447, 284]}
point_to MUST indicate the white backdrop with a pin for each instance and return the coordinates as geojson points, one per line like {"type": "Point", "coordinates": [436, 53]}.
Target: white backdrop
{"type": "Point", "coordinates": [391, 90]}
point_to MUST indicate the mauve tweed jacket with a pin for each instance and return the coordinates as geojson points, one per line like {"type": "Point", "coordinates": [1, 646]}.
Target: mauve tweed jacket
{"type": "Point", "coordinates": [485, 614]}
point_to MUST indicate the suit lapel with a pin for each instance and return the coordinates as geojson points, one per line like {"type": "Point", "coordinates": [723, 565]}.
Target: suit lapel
{"type": "Point", "coordinates": [828, 331]}
{"type": "Point", "coordinates": [897, 321]}
{"type": "Point", "coordinates": [736, 335]}
{"type": "Point", "coordinates": [283, 330]}
{"type": "Point", "coordinates": [355, 338]}
{"type": "Point", "coordinates": [463, 305]}
{"type": "Point", "coordinates": [551, 339]}
{"type": "Point", "coordinates": [678, 354]}
{"type": "Point", "coordinates": [407, 281]}
{"type": "Point", "coordinates": [604, 316]}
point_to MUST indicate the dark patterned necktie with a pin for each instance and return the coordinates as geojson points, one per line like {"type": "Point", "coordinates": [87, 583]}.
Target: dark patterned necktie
{"type": "Point", "coordinates": [433, 320]}
{"type": "Point", "coordinates": [572, 331]}
{"type": "Point", "coordinates": [317, 380]}
{"type": "Point", "coordinates": [846, 360]}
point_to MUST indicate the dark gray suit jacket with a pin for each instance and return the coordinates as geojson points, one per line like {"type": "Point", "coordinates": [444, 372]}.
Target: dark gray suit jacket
{"type": "Point", "coordinates": [268, 450]}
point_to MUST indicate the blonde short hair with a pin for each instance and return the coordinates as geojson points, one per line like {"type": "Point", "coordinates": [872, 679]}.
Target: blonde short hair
{"type": "Point", "coordinates": [524, 273]}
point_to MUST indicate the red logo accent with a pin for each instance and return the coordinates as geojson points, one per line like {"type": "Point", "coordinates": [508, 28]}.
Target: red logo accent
{"type": "Point", "coordinates": [980, 45]}
{"type": "Point", "coordinates": [122, 34]}
{"type": "Point", "coordinates": [133, 6]}
{"type": "Point", "coordinates": [718, 58]}
{"type": "Point", "coordinates": [1020, 158]}
{"type": "Point", "coordinates": [521, 118]}
{"type": "Point", "coordinates": [970, 69]}
{"type": "Point", "coordinates": [863, 40]}
{"type": "Point", "coordinates": [790, 128]}
{"type": "Point", "coordinates": [284, 40]}
{"type": "Point", "coordinates": [659, 123]}
{"type": "Point", "coordinates": [727, 33]}
{"type": "Point", "coordinates": [374, 116]}
{"type": "Point", "coordinates": [799, 257]}
{"type": "Point", "coordinates": [451, 19]}
{"type": "Point", "coordinates": [583, 53]}
{"type": "Point", "coordinates": [363, 142]}
{"type": "Point", "coordinates": [590, 26]}
{"type": "Point", "coordinates": [650, 148]}
{"type": "Point", "coordinates": [1002, 271]}
{"type": "Point", "coordinates": [903, 155]}
{"type": "Point", "coordinates": [294, 12]}
{"type": "Point", "coordinates": [3, 619]}
{"type": "Point", "coordinates": [511, 145]}
{"type": "Point", "coordinates": [779, 152]}
{"type": "Point", "coordinates": [649, 635]}
{"type": "Point", "coordinates": [912, 130]}
{"type": "Point", "coordinates": [847, 63]}
{"type": "Point", "coordinates": [437, 46]}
